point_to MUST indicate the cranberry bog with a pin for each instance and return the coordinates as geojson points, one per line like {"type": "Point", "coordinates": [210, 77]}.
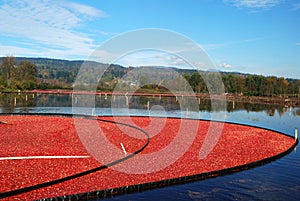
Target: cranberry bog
{"type": "Point", "coordinates": [43, 157]}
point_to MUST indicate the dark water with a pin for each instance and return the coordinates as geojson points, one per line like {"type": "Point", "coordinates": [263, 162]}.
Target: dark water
{"type": "Point", "coordinates": [278, 180]}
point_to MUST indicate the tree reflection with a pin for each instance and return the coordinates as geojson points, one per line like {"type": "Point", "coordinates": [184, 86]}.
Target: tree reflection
{"type": "Point", "coordinates": [10, 101]}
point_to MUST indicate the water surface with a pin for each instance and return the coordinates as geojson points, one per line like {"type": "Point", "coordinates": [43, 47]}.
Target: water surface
{"type": "Point", "coordinates": [278, 180]}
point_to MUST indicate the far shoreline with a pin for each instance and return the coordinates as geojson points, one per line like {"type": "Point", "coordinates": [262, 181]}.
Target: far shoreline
{"type": "Point", "coordinates": [283, 100]}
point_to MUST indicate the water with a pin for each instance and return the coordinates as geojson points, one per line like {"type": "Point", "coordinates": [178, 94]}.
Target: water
{"type": "Point", "coordinates": [278, 180]}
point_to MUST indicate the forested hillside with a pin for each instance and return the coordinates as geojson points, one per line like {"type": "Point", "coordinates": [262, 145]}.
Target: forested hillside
{"type": "Point", "coordinates": [43, 73]}
{"type": "Point", "coordinates": [251, 85]}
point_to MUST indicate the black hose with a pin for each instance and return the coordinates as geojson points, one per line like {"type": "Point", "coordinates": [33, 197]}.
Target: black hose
{"type": "Point", "coordinates": [74, 176]}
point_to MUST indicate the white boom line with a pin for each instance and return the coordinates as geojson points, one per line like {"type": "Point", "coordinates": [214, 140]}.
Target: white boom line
{"type": "Point", "coordinates": [39, 157]}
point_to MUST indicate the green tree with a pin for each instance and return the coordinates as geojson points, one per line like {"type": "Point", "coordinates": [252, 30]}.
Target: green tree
{"type": "Point", "coordinates": [261, 87]}
{"type": "Point", "coordinates": [8, 70]}
{"type": "Point", "coordinates": [213, 82]}
{"type": "Point", "coordinates": [283, 85]}
{"type": "Point", "coordinates": [22, 76]}
{"type": "Point", "coordinates": [195, 82]}
{"type": "Point", "coordinates": [240, 81]}
{"type": "Point", "coordinates": [27, 73]}
{"type": "Point", "coordinates": [230, 82]}
{"type": "Point", "coordinates": [271, 85]}
{"type": "Point", "coordinates": [251, 85]}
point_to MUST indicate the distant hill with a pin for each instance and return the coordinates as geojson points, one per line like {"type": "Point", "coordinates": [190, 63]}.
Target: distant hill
{"type": "Point", "coordinates": [63, 72]}
{"type": "Point", "coordinates": [66, 69]}
{"type": "Point", "coordinates": [58, 73]}
{"type": "Point", "coordinates": [51, 62]}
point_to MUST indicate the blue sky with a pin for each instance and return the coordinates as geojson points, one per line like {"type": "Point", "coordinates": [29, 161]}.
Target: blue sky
{"type": "Point", "coordinates": [249, 36]}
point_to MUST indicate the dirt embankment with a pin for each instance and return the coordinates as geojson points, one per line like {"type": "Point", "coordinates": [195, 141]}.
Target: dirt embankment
{"type": "Point", "coordinates": [284, 101]}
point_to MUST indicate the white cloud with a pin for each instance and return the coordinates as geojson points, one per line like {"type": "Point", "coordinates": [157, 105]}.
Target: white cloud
{"type": "Point", "coordinates": [148, 58]}
{"type": "Point", "coordinates": [87, 11]}
{"type": "Point", "coordinates": [51, 25]}
{"type": "Point", "coordinates": [12, 50]}
{"type": "Point", "coordinates": [145, 58]}
{"type": "Point", "coordinates": [6, 50]}
{"type": "Point", "coordinates": [255, 4]}
{"type": "Point", "coordinates": [225, 65]}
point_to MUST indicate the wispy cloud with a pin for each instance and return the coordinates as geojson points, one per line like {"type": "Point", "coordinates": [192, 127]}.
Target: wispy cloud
{"type": "Point", "coordinates": [12, 50]}
{"type": "Point", "coordinates": [151, 58]}
{"type": "Point", "coordinates": [53, 25]}
{"type": "Point", "coordinates": [296, 6]}
{"type": "Point", "coordinates": [84, 10]}
{"type": "Point", "coordinates": [298, 44]}
{"type": "Point", "coordinates": [214, 46]}
{"type": "Point", "coordinates": [254, 4]}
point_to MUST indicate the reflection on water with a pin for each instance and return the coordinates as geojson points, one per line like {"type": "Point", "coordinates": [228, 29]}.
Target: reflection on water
{"type": "Point", "coordinates": [9, 102]}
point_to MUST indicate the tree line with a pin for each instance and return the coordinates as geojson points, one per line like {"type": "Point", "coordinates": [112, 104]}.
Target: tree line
{"type": "Point", "coordinates": [249, 85]}
{"type": "Point", "coordinates": [21, 76]}
{"type": "Point", "coordinates": [41, 73]}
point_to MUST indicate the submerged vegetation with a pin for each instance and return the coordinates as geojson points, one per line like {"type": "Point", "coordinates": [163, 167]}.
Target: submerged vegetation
{"type": "Point", "coordinates": [18, 73]}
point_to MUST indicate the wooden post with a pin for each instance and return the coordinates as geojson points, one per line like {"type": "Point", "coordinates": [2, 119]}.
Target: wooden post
{"type": "Point", "coordinates": [126, 99]}
{"type": "Point", "coordinates": [148, 105]}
